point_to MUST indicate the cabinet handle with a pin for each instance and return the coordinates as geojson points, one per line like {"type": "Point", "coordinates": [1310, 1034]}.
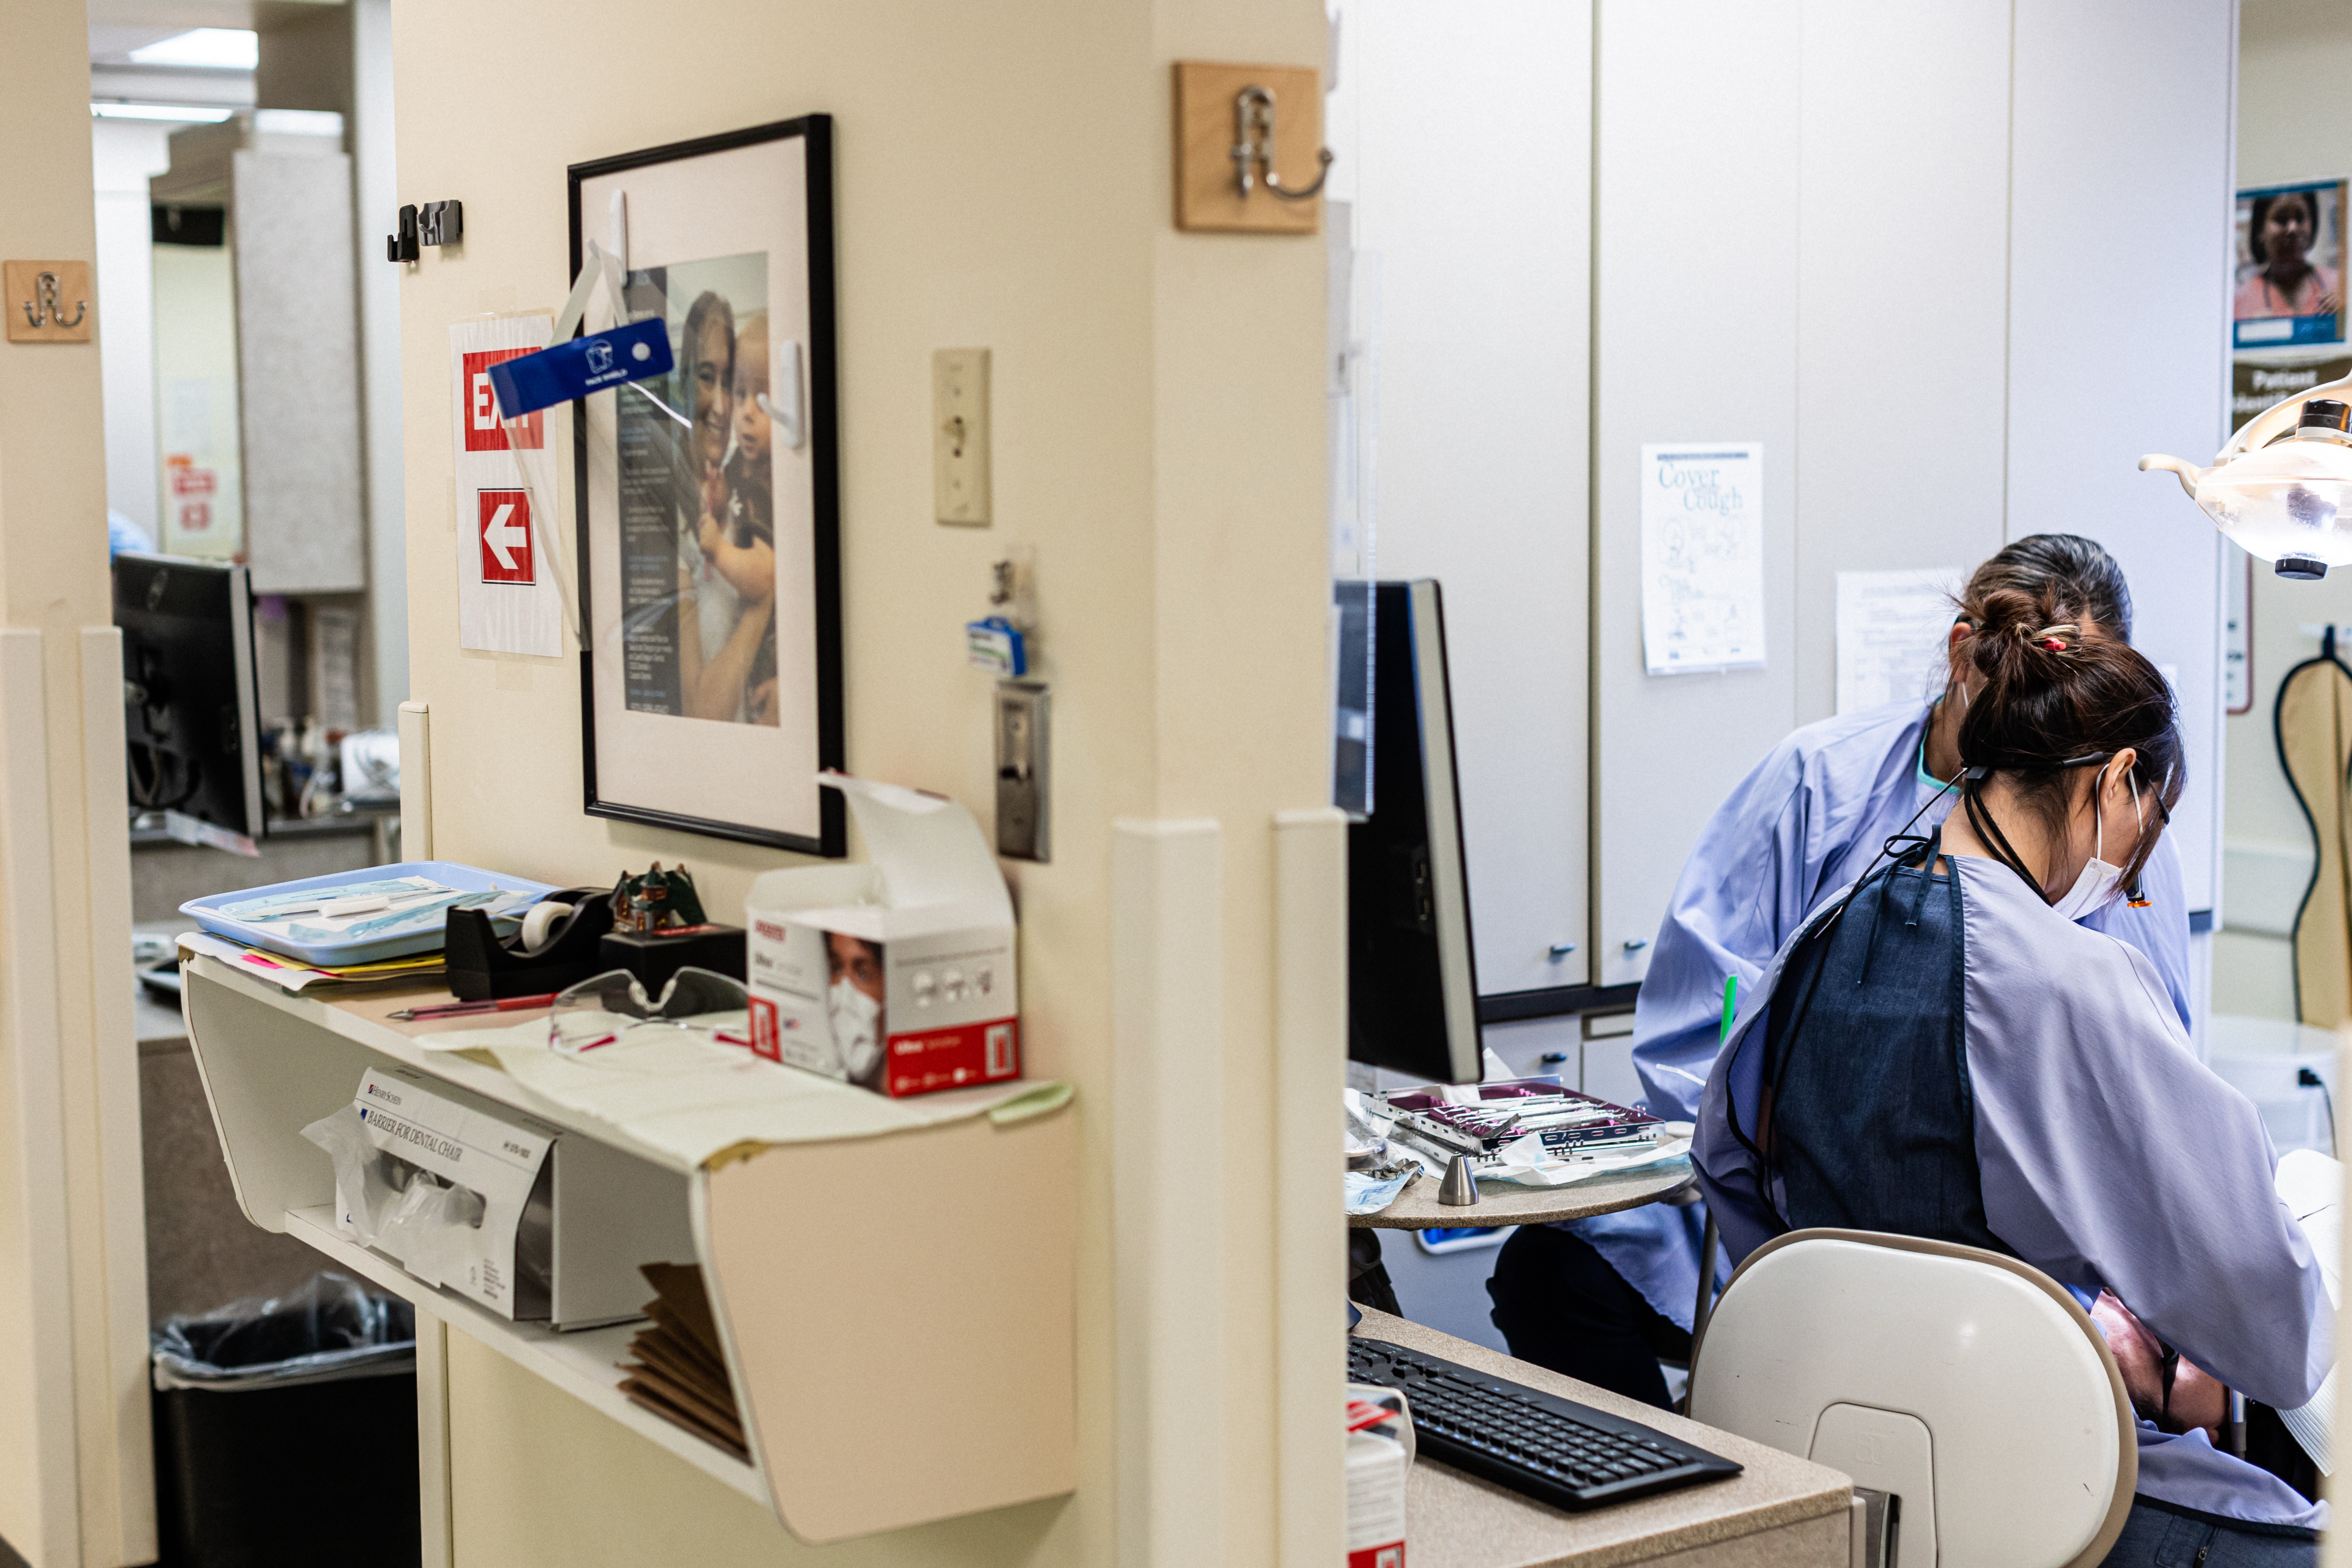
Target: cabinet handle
{"type": "Point", "coordinates": [1562, 949]}
{"type": "Point", "coordinates": [1637, 944]}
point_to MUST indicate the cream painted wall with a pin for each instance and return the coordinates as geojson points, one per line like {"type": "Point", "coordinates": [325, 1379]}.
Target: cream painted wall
{"type": "Point", "coordinates": [1002, 179]}
{"type": "Point", "coordinates": [73, 1414]}
{"type": "Point", "coordinates": [2293, 58]}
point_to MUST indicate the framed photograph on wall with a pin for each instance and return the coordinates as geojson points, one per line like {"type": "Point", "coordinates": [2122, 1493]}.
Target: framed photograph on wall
{"type": "Point", "coordinates": [2290, 272]}
{"type": "Point", "coordinates": [708, 498]}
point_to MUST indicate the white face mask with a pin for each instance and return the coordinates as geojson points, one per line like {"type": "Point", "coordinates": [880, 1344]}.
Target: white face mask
{"type": "Point", "coordinates": [855, 1017]}
{"type": "Point", "coordinates": [2098, 884]}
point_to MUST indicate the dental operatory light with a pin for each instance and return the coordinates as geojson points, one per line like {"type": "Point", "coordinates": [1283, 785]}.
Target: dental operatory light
{"type": "Point", "coordinates": [2282, 486]}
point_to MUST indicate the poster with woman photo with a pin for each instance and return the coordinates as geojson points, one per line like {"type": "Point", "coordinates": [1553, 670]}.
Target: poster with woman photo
{"type": "Point", "coordinates": [698, 500]}
{"type": "Point", "coordinates": [708, 553]}
{"type": "Point", "coordinates": [2290, 275]}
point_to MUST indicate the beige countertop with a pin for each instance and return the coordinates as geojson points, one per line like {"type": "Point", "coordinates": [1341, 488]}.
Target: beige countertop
{"type": "Point", "coordinates": [1507, 1203]}
{"type": "Point", "coordinates": [1780, 1511]}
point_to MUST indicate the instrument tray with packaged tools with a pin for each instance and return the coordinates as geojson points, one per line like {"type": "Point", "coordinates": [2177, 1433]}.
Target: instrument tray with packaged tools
{"type": "Point", "coordinates": [355, 917]}
{"type": "Point", "coordinates": [1566, 1122]}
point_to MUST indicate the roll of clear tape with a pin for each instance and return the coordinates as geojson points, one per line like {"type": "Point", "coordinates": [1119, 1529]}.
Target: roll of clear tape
{"type": "Point", "coordinates": [539, 923]}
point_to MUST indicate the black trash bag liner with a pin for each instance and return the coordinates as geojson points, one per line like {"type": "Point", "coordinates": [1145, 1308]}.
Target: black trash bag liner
{"type": "Point", "coordinates": [331, 1326]}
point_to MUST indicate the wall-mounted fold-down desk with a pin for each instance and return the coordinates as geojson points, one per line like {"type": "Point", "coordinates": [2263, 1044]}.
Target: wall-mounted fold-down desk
{"type": "Point", "coordinates": [823, 1262]}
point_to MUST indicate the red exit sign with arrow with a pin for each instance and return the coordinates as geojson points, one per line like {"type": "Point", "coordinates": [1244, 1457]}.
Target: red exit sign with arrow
{"type": "Point", "coordinates": [505, 527]}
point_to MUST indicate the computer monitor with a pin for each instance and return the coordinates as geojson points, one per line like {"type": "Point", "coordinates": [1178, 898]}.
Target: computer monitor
{"type": "Point", "coordinates": [191, 707]}
{"type": "Point", "coordinates": [1412, 982]}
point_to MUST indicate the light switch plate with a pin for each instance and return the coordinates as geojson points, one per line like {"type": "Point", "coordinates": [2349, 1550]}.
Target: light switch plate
{"type": "Point", "coordinates": [959, 437]}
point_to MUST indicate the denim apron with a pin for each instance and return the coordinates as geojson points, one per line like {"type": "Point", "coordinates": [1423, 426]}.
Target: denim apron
{"type": "Point", "coordinates": [1869, 1121]}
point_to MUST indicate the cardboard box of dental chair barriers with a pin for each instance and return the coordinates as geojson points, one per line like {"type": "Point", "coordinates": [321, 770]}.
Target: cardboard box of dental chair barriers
{"type": "Point", "coordinates": [897, 975]}
{"type": "Point", "coordinates": [531, 1221]}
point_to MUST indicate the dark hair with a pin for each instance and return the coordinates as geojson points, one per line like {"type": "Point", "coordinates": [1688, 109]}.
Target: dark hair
{"type": "Point", "coordinates": [2085, 578]}
{"type": "Point", "coordinates": [2260, 214]}
{"type": "Point", "coordinates": [2058, 697]}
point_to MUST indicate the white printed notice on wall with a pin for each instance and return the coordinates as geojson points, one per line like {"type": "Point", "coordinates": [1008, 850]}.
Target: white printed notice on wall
{"type": "Point", "coordinates": [1702, 556]}
{"type": "Point", "coordinates": [1893, 630]}
{"type": "Point", "coordinates": [506, 598]}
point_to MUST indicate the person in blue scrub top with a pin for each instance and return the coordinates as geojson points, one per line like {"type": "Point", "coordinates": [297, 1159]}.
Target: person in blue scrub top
{"type": "Point", "coordinates": [1952, 1049]}
{"type": "Point", "coordinates": [1605, 1298]}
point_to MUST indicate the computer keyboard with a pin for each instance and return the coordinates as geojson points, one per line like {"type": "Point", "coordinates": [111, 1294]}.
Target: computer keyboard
{"type": "Point", "coordinates": [1551, 1449]}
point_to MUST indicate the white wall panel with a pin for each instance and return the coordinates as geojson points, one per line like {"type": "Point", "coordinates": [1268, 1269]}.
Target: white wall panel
{"type": "Point", "coordinates": [1463, 133]}
{"type": "Point", "coordinates": [123, 154]}
{"type": "Point", "coordinates": [1696, 198]}
{"type": "Point", "coordinates": [1902, 293]}
{"type": "Point", "coordinates": [2118, 318]}
{"type": "Point", "coordinates": [1956, 267]}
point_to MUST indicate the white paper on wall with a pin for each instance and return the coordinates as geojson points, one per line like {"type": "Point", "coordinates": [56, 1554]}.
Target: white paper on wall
{"type": "Point", "coordinates": [506, 598]}
{"type": "Point", "coordinates": [1702, 556]}
{"type": "Point", "coordinates": [1892, 629]}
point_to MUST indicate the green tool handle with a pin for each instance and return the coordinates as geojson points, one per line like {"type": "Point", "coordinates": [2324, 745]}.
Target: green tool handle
{"type": "Point", "coordinates": [1730, 1006]}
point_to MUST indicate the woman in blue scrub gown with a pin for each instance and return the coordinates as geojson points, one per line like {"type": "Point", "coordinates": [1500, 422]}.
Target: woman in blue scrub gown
{"type": "Point", "coordinates": [1942, 1051]}
{"type": "Point", "coordinates": [1603, 1299]}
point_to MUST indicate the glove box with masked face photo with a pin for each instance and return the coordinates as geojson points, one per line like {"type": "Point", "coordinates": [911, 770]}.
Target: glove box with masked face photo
{"type": "Point", "coordinates": [534, 1224]}
{"type": "Point", "coordinates": [896, 976]}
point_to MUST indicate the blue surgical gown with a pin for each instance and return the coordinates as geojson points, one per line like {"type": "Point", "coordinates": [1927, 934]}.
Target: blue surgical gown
{"type": "Point", "coordinates": [2110, 1158]}
{"type": "Point", "coordinates": [1806, 821]}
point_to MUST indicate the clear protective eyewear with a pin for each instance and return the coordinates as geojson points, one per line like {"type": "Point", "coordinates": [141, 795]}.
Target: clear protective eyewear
{"type": "Point", "coordinates": [701, 1019]}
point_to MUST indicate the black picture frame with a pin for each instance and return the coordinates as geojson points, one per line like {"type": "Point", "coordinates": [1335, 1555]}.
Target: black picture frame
{"type": "Point", "coordinates": [822, 413]}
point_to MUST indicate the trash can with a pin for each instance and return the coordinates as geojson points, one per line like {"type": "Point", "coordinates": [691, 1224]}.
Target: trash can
{"type": "Point", "coordinates": [286, 1431]}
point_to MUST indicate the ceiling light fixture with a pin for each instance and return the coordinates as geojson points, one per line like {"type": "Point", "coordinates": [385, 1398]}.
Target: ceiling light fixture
{"type": "Point", "coordinates": [212, 48]}
{"type": "Point", "coordinates": [187, 113]}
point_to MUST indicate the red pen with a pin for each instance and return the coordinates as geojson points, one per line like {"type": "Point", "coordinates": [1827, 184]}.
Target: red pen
{"type": "Point", "coordinates": [459, 1009]}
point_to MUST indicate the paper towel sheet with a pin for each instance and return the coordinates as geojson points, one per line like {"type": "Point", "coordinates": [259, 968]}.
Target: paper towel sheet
{"type": "Point", "coordinates": [695, 1113]}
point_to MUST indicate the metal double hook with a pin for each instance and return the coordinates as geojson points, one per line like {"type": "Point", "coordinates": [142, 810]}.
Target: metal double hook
{"type": "Point", "coordinates": [1253, 147]}
{"type": "Point", "coordinates": [46, 308]}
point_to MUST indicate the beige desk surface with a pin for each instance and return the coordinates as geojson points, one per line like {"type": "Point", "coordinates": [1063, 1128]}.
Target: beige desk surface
{"type": "Point", "coordinates": [1505, 1203]}
{"type": "Point", "coordinates": [1457, 1520]}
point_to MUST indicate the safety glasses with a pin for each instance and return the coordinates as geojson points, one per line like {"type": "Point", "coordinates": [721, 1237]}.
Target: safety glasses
{"type": "Point", "coordinates": [608, 1020]}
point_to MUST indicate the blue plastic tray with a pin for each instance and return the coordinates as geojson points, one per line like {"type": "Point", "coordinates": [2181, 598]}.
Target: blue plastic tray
{"type": "Point", "coordinates": [272, 937]}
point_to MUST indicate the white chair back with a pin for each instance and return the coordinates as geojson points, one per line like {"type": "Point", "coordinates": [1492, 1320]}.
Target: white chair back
{"type": "Point", "coordinates": [1968, 1384]}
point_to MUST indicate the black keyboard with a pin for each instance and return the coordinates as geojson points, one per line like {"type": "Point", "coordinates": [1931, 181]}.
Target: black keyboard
{"type": "Point", "coordinates": [1539, 1445]}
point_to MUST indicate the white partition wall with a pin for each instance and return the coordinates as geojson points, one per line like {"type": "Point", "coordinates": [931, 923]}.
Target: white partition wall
{"type": "Point", "coordinates": [1956, 267]}
{"type": "Point", "coordinates": [1696, 333]}
{"type": "Point", "coordinates": [1464, 135]}
{"type": "Point", "coordinates": [2124, 122]}
{"type": "Point", "coordinates": [1902, 268]}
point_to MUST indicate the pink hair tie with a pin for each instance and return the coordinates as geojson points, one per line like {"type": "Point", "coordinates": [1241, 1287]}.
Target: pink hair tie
{"type": "Point", "coordinates": [2047, 637]}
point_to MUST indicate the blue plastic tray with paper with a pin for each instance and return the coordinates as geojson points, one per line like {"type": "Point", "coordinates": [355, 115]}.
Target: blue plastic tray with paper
{"type": "Point", "coordinates": [358, 917]}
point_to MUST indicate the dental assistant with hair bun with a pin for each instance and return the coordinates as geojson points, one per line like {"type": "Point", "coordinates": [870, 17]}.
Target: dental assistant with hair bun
{"type": "Point", "coordinates": [1605, 1298]}
{"type": "Point", "coordinates": [1945, 1049]}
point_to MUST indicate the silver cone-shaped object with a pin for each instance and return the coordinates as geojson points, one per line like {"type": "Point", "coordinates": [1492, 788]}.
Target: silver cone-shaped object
{"type": "Point", "coordinates": [1460, 1189]}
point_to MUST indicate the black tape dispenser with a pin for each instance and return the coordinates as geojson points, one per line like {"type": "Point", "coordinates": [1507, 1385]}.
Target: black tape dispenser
{"type": "Point", "coordinates": [558, 946]}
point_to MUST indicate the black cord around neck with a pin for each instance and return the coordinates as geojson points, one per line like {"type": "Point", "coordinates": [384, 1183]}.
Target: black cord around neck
{"type": "Point", "coordinates": [1987, 829]}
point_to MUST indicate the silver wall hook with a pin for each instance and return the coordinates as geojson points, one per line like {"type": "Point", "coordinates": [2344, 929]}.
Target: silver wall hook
{"type": "Point", "coordinates": [46, 308]}
{"type": "Point", "coordinates": [1253, 147]}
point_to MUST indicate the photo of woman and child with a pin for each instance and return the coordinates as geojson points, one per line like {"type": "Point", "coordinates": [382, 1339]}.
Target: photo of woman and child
{"type": "Point", "coordinates": [699, 502]}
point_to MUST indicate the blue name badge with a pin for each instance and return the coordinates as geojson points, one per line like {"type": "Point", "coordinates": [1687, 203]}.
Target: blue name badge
{"type": "Point", "coordinates": [996, 646]}
{"type": "Point", "coordinates": [583, 365]}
